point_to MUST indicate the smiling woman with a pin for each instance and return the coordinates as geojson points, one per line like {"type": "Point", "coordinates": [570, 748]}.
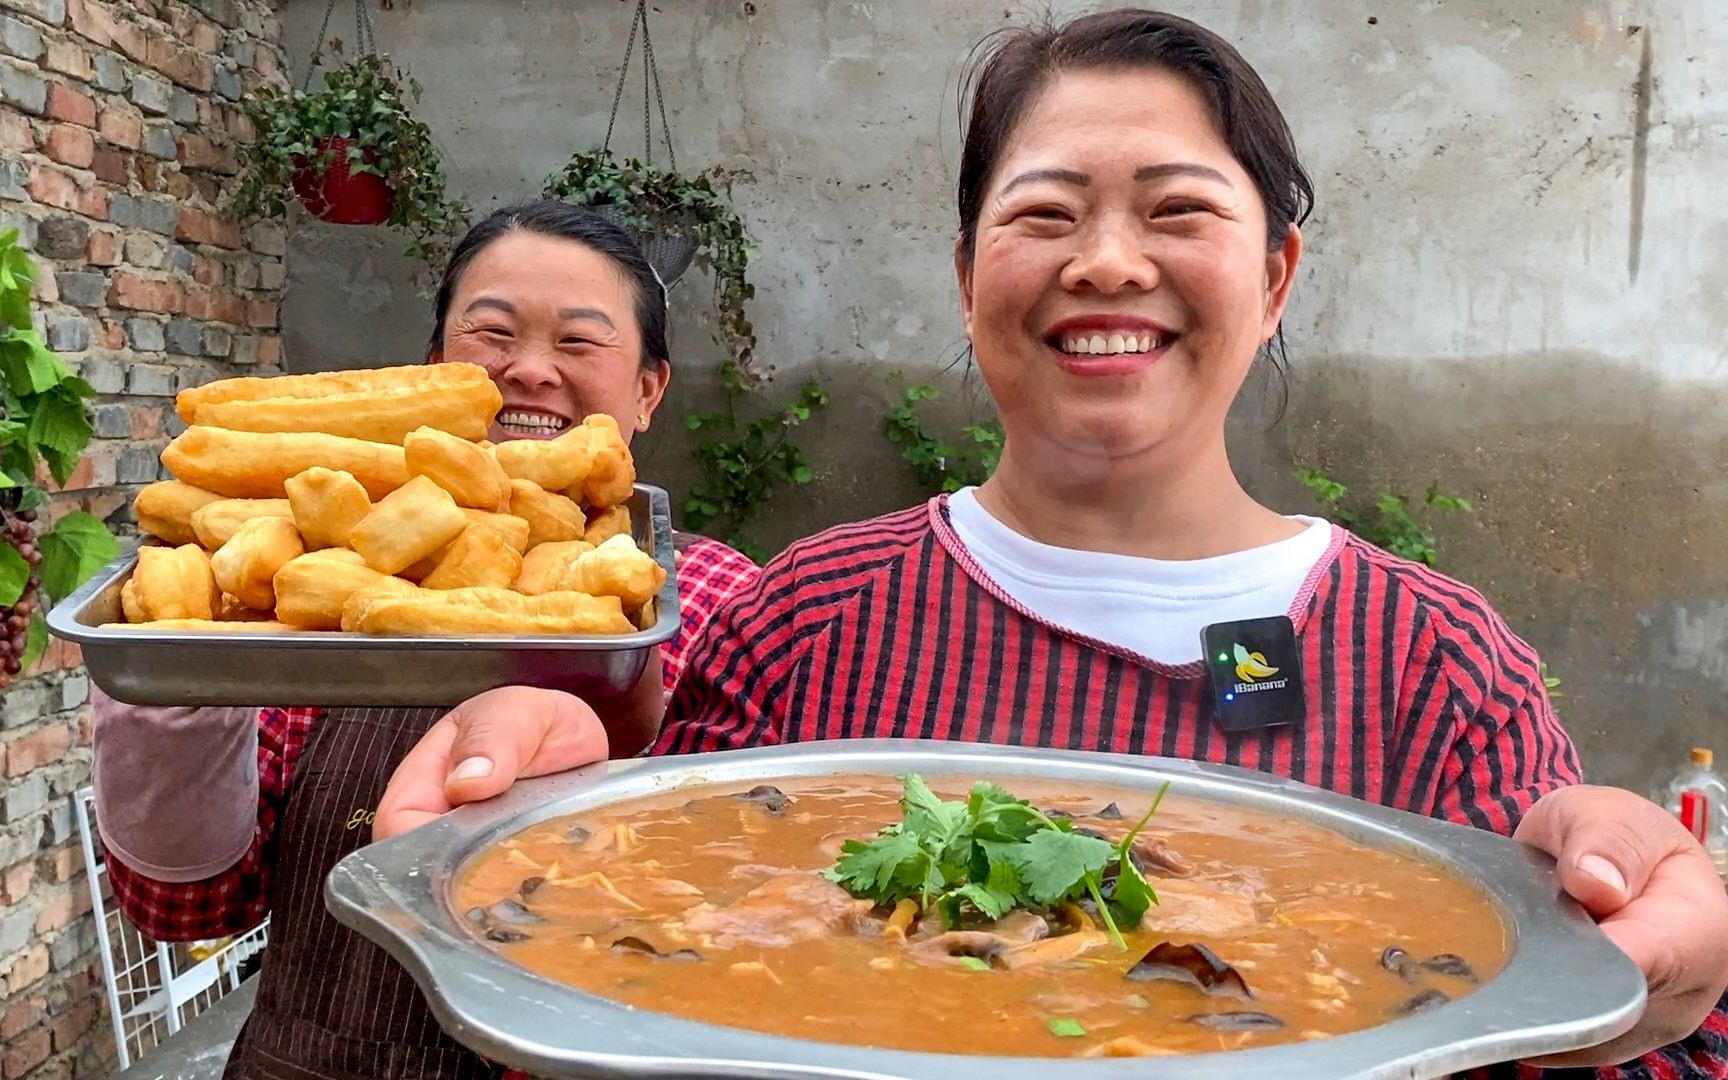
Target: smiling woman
{"type": "Point", "coordinates": [1130, 208]}
{"type": "Point", "coordinates": [214, 818]}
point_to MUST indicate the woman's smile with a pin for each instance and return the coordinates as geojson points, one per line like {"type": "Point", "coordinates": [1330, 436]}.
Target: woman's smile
{"type": "Point", "coordinates": [1108, 344]}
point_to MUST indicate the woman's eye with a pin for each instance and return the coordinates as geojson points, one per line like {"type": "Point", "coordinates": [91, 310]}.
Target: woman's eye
{"type": "Point", "coordinates": [495, 332]}
{"type": "Point", "coordinates": [1047, 213]}
{"type": "Point", "coordinates": [1179, 207]}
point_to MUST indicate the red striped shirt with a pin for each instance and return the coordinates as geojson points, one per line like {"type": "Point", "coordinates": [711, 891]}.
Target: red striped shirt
{"type": "Point", "coordinates": [1418, 694]}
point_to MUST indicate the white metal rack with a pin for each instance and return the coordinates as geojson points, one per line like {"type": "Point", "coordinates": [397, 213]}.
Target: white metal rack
{"type": "Point", "coordinates": [153, 987]}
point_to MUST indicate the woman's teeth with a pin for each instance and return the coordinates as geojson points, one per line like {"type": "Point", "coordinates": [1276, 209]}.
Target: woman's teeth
{"type": "Point", "coordinates": [532, 422]}
{"type": "Point", "coordinates": [1104, 344]}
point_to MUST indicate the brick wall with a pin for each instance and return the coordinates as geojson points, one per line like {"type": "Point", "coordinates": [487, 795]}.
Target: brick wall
{"type": "Point", "coordinates": [118, 127]}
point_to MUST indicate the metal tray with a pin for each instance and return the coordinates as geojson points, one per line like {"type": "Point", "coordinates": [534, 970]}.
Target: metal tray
{"type": "Point", "coordinates": [1565, 985]}
{"type": "Point", "coordinates": [143, 667]}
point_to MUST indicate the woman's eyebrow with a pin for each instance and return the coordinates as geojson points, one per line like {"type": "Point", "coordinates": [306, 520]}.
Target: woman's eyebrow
{"type": "Point", "coordinates": [585, 313]}
{"type": "Point", "coordinates": [1061, 176]}
{"type": "Point", "coordinates": [1180, 168]}
{"type": "Point", "coordinates": [490, 302]}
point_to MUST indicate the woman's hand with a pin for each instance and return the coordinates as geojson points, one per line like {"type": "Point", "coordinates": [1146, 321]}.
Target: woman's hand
{"type": "Point", "coordinates": [482, 747]}
{"type": "Point", "coordinates": [1652, 889]}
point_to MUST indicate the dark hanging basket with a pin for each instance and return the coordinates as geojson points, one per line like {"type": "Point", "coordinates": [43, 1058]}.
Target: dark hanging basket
{"type": "Point", "coordinates": [669, 253]}
{"type": "Point", "coordinates": [337, 196]}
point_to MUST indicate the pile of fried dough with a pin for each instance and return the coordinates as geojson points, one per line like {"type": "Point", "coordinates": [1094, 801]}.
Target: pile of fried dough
{"type": "Point", "coordinates": [369, 502]}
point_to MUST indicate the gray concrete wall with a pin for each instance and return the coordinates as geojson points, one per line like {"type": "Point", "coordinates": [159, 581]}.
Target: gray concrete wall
{"type": "Point", "coordinates": [1517, 281]}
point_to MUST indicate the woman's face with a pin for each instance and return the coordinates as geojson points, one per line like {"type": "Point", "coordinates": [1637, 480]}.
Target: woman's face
{"type": "Point", "coordinates": [1121, 283]}
{"type": "Point", "coordinates": [554, 323]}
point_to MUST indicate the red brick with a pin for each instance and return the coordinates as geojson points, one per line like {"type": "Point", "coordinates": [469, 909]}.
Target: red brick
{"type": "Point", "coordinates": [130, 39]}
{"type": "Point", "coordinates": [202, 227]}
{"type": "Point", "coordinates": [15, 886]}
{"type": "Point", "coordinates": [103, 248]}
{"type": "Point", "coordinates": [69, 1027]}
{"type": "Point", "coordinates": [51, 187]}
{"type": "Point", "coordinates": [27, 967]}
{"type": "Point", "coordinates": [93, 203]}
{"type": "Point", "coordinates": [69, 145]}
{"type": "Point", "coordinates": [206, 37]}
{"type": "Point", "coordinates": [67, 863]}
{"type": "Point", "coordinates": [270, 352]}
{"type": "Point", "coordinates": [55, 912]}
{"type": "Point", "coordinates": [72, 106]}
{"type": "Point", "coordinates": [264, 61]}
{"type": "Point", "coordinates": [184, 66]}
{"type": "Point", "coordinates": [261, 313]}
{"type": "Point", "coordinates": [240, 126]}
{"type": "Point", "coordinates": [109, 165]}
{"type": "Point", "coordinates": [92, 20]}
{"type": "Point", "coordinates": [206, 271]}
{"type": "Point", "coordinates": [20, 1015]}
{"type": "Point", "coordinates": [123, 127]}
{"type": "Point", "coordinates": [229, 308]}
{"type": "Point", "coordinates": [110, 335]}
{"type": "Point", "coordinates": [139, 293]}
{"type": "Point", "coordinates": [146, 422]}
{"type": "Point", "coordinates": [69, 58]}
{"type": "Point", "coordinates": [44, 746]}
{"type": "Point", "coordinates": [197, 152]}
{"type": "Point", "coordinates": [26, 1052]}
{"type": "Point", "coordinates": [15, 131]}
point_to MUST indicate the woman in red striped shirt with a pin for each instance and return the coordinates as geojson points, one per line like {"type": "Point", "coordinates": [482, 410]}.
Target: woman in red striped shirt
{"type": "Point", "coordinates": [1130, 201]}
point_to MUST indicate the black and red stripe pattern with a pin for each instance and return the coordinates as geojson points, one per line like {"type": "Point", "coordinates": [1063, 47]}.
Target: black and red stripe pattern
{"type": "Point", "coordinates": [1418, 695]}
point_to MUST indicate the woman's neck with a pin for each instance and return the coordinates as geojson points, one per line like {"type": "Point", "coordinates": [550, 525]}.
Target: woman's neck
{"type": "Point", "coordinates": [1150, 507]}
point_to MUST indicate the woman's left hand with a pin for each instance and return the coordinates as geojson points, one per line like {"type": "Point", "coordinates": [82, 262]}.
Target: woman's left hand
{"type": "Point", "coordinates": [1655, 894]}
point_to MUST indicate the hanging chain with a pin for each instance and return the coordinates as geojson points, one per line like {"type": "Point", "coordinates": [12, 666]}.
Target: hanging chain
{"type": "Point", "coordinates": [650, 90]}
{"type": "Point", "coordinates": [364, 39]}
{"type": "Point", "coordinates": [623, 73]}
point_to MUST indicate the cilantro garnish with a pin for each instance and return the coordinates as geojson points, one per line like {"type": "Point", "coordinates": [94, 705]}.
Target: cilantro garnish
{"type": "Point", "coordinates": [992, 854]}
{"type": "Point", "coordinates": [1065, 1028]}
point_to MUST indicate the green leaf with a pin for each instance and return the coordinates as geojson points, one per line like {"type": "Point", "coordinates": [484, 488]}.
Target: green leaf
{"type": "Point", "coordinates": [77, 547]}
{"type": "Point", "coordinates": [973, 963]}
{"type": "Point", "coordinates": [60, 430]}
{"type": "Point", "coordinates": [801, 474]}
{"type": "Point", "coordinates": [14, 575]}
{"type": "Point", "coordinates": [1065, 1028]}
{"type": "Point", "coordinates": [35, 642]}
{"type": "Point", "coordinates": [872, 868]}
{"type": "Point", "coordinates": [1053, 864]}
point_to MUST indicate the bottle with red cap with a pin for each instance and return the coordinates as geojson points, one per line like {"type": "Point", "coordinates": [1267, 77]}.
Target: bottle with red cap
{"type": "Point", "coordinates": [1698, 796]}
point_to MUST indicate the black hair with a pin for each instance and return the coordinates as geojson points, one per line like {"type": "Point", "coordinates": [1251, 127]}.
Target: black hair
{"type": "Point", "coordinates": [1009, 69]}
{"type": "Point", "coordinates": [564, 221]}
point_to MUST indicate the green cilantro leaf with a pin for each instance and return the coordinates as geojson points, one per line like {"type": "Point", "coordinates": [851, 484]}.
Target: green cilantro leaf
{"type": "Point", "coordinates": [1065, 1028]}
{"type": "Point", "coordinates": [870, 868]}
{"type": "Point", "coordinates": [1054, 865]}
{"type": "Point", "coordinates": [973, 962]}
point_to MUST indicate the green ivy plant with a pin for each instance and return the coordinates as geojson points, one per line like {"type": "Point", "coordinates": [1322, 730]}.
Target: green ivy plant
{"type": "Point", "coordinates": [738, 475]}
{"type": "Point", "coordinates": [656, 201]}
{"type": "Point", "coordinates": [1397, 524]}
{"type": "Point", "coordinates": [366, 101]}
{"type": "Point", "coordinates": [939, 464]}
{"type": "Point", "coordinates": [46, 425]}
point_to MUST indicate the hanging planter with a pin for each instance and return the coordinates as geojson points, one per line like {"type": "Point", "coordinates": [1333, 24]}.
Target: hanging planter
{"type": "Point", "coordinates": [677, 219]}
{"type": "Point", "coordinates": [332, 192]}
{"type": "Point", "coordinates": [351, 152]}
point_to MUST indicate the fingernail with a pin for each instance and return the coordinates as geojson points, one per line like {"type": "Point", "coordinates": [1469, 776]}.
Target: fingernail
{"type": "Point", "coordinates": [1594, 865]}
{"type": "Point", "coordinates": [472, 769]}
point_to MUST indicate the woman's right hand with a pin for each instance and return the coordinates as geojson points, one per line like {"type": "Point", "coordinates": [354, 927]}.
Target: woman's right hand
{"type": "Point", "coordinates": [482, 747]}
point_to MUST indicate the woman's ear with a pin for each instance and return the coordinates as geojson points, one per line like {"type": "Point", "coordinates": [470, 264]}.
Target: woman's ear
{"type": "Point", "coordinates": [651, 390]}
{"type": "Point", "coordinates": [963, 273]}
{"type": "Point", "coordinates": [1280, 275]}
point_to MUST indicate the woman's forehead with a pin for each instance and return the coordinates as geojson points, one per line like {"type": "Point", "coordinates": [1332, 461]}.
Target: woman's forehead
{"type": "Point", "coordinates": [1146, 113]}
{"type": "Point", "coordinates": [529, 264]}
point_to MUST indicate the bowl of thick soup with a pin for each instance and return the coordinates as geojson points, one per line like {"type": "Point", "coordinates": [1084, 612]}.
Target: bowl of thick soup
{"type": "Point", "coordinates": [909, 909]}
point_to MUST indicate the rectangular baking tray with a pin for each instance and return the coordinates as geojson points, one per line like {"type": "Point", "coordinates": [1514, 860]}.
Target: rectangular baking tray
{"type": "Point", "coordinates": [1565, 985]}
{"type": "Point", "coordinates": [145, 667]}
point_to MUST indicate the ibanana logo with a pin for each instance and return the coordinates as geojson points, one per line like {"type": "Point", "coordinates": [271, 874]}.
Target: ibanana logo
{"type": "Point", "coordinates": [1252, 667]}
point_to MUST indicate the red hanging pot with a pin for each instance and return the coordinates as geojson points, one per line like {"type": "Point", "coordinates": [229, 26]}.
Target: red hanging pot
{"type": "Point", "coordinates": [337, 196]}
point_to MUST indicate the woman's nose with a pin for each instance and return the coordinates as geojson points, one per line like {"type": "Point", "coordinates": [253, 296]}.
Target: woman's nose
{"type": "Point", "coordinates": [1112, 257]}
{"type": "Point", "coordinates": [531, 369]}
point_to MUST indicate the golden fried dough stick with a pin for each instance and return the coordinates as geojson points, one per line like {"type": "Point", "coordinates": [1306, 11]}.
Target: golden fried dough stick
{"type": "Point", "coordinates": [615, 568]}
{"type": "Point", "coordinates": [171, 583]}
{"type": "Point", "coordinates": [206, 626]}
{"type": "Point", "coordinates": [611, 477]}
{"type": "Point", "coordinates": [214, 524]}
{"type": "Point", "coordinates": [362, 600]}
{"type": "Point", "coordinates": [513, 529]}
{"type": "Point", "coordinates": [382, 405]}
{"type": "Point", "coordinates": [256, 465]}
{"type": "Point", "coordinates": [326, 505]}
{"type": "Point", "coordinates": [544, 564]}
{"type": "Point", "coordinates": [482, 612]}
{"type": "Point", "coordinates": [164, 510]}
{"type": "Point", "coordinates": [471, 475]}
{"type": "Point", "coordinates": [481, 556]}
{"type": "Point", "coordinates": [407, 525]}
{"type": "Point", "coordinates": [553, 464]}
{"type": "Point", "coordinates": [246, 565]}
{"type": "Point", "coordinates": [311, 590]}
{"type": "Point", "coordinates": [603, 525]}
{"type": "Point", "coordinates": [232, 610]}
{"type": "Point", "coordinates": [551, 517]}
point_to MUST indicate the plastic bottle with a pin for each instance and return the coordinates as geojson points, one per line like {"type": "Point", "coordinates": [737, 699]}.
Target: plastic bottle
{"type": "Point", "coordinates": [1698, 796]}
